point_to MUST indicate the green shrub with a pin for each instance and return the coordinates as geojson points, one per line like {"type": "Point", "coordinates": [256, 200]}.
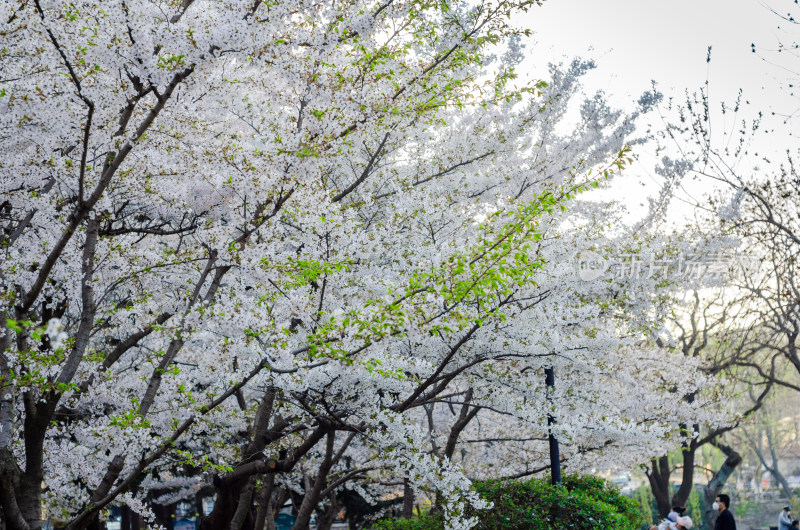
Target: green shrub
{"type": "Point", "coordinates": [581, 502]}
{"type": "Point", "coordinates": [425, 522]}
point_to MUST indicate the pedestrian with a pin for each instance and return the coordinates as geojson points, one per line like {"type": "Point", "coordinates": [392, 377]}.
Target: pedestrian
{"type": "Point", "coordinates": [725, 519]}
{"type": "Point", "coordinates": [785, 518]}
{"type": "Point", "coordinates": [684, 523]}
{"type": "Point", "coordinates": [670, 523]}
{"type": "Point", "coordinates": [666, 524]}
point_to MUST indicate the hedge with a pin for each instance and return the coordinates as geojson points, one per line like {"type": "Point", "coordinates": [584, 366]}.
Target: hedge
{"type": "Point", "coordinates": [581, 502]}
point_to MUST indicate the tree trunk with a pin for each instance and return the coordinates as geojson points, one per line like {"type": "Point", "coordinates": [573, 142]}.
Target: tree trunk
{"type": "Point", "coordinates": [465, 416]}
{"type": "Point", "coordinates": [408, 500]}
{"type": "Point", "coordinates": [164, 515]}
{"type": "Point", "coordinates": [224, 506]}
{"type": "Point", "coordinates": [9, 486]}
{"type": "Point", "coordinates": [229, 494]}
{"type": "Point", "coordinates": [30, 499]}
{"type": "Point", "coordinates": [130, 520]}
{"type": "Point", "coordinates": [311, 497]}
{"type": "Point", "coordinates": [658, 476]}
{"type": "Point", "coordinates": [329, 517]}
{"type": "Point", "coordinates": [280, 500]}
{"type": "Point", "coordinates": [787, 491]}
{"type": "Point", "coordinates": [264, 502]}
{"type": "Point", "coordinates": [242, 513]}
{"type": "Point", "coordinates": [687, 475]}
{"type": "Point", "coordinates": [29, 494]}
{"type": "Point", "coordinates": [717, 482]}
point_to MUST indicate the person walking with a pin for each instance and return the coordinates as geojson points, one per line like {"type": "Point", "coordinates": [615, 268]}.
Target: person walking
{"type": "Point", "coordinates": [666, 524]}
{"type": "Point", "coordinates": [674, 522]}
{"type": "Point", "coordinates": [725, 520]}
{"type": "Point", "coordinates": [785, 518]}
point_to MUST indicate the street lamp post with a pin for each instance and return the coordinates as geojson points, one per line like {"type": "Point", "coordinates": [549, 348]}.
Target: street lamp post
{"type": "Point", "coordinates": [555, 457]}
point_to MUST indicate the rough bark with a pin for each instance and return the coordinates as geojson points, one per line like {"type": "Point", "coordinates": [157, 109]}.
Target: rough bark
{"type": "Point", "coordinates": [465, 416]}
{"type": "Point", "coordinates": [774, 469]}
{"type": "Point", "coordinates": [242, 513]}
{"type": "Point", "coordinates": [165, 514]}
{"type": "Point", "coordinates": [311, 498]}
{"type": "Point", "coordinates": [275, 506]}
{"type": "Point", "coordinates": [687, 475]}
{"type": "Point", "coordinates": [658, 477]}
{"type": "Point", "coordinates": [717, 482]}
{"type": "Point", "coordinates": [328, 517]}
{"type": "Point", "coordinates": [408, 500]}
{"type": "Point", "coordinates": [264, 502]}
{"type": "Point", "coordinates": [9, 483]}
{"type": "Point", "coordinates": [130, 520]}
{"type": "Point", "coordinates": [230, 495]}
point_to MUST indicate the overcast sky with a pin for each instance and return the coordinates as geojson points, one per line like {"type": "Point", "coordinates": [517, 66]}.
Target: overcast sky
{"type": "Point", "coordinates": [636, 41]}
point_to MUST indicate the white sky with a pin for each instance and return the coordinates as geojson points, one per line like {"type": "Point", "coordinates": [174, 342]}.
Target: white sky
{"type": "Point", "coordinates": [636, 41]}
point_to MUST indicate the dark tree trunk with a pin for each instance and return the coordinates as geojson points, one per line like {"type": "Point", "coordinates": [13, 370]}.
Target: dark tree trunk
{"type": "Point", "coordinates": [9, 486]}
{"type": "Point", "coordinates": [280, 499]}
{"type": "Point", "coordinates": [774, 470]}
{"type": "Point", "coordinates": [687, 475]}
{"type": "Point", "coordinates": [465, 416]}
{"type": "Point", "coordinates": [242, 517]}
{"type": "Point", "coordinates": [311, 497]}
{"type": "Point", "coordinates": [555, 457]}
{"type": "Point", "coordinates": [717, 482]}
{"type": "Point", "coordinates": [29, 495]}
{"type": "Point", "coordinates": [164, 515]}
{"type": "Point", "coordinates": [130, 520]}
{"type": "Point", "coordinates": [408, 500]}
{"type": "Point", "coordinates": [264, 502]}
{"type": "Point", "coordinates": [328, 517]}
{"type": "Point", "coordinates": [229, 495]}
{"type": "Point", "coordinates": [224, 507]}
{"type": "Point", "coordinates": [658, 476]}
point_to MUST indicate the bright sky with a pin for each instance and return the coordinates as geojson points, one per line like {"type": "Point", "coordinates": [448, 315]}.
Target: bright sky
{"type": "Point", "coordinates": [636, 41]}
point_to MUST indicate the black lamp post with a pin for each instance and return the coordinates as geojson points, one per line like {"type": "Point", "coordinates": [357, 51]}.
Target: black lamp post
{"type": "Point", "coordinates": [555, 457]}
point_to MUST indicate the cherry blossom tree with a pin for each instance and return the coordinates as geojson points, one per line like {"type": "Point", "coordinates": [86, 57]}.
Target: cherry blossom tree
{"type": "Point", "coordinates": [246, 244]}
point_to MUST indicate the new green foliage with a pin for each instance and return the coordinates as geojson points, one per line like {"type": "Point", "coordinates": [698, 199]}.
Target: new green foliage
{"type": "Point", "coordinates": [535, 504]}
